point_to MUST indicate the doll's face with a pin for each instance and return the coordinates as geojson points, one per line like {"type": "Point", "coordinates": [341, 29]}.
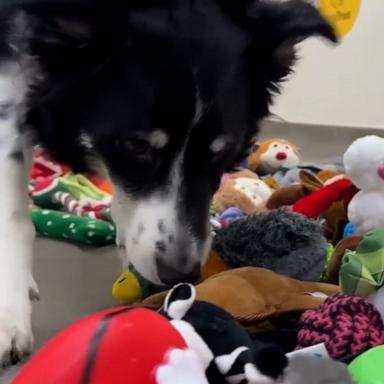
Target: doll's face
{"type": "Point", "coordinates": [279, 155]}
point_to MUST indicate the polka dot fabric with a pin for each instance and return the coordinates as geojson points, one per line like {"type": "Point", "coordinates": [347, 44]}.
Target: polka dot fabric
{"type": "Point", "coordinates": [61, 225]}
{"type": "Point", "coordinates": [348, 325]}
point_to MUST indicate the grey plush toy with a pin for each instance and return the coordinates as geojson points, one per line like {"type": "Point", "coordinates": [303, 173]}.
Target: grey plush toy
{"type": "Point", "coordinates": [282, 241]}
{"type": "Point", "coordinates": [313, 370]}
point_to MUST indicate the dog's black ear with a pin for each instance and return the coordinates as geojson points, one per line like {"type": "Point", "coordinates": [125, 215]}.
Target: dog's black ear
{"type": "Point", "coordinates": [279, 26]}
{"type": "Point", "coordinates": [292, 20]}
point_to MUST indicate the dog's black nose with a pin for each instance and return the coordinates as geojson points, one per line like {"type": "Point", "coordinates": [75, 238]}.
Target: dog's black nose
{"type": "Point", "coordinates": [171, 275]}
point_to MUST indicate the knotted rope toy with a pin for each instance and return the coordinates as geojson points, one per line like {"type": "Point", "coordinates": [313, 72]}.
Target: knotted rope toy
{"type": "Point", "coordinates": [347, 325]}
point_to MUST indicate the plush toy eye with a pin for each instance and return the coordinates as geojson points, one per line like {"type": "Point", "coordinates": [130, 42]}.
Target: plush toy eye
{"type": "Point", "coordinates": [286, 147]}
{"type": "Point", "coordinates": [275, 145]}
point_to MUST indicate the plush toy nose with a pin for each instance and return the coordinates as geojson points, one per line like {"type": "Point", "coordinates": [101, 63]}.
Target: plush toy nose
{"type": "Point", "coordinates": [281, 156]}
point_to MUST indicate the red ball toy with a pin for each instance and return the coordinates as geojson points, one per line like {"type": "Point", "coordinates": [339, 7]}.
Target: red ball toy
{"type": "Point", "coordinates": [118, 346]}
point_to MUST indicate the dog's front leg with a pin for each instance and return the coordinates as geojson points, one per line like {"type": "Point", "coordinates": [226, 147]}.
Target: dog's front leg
{"type": "Point", "coordinates": [16, 230]}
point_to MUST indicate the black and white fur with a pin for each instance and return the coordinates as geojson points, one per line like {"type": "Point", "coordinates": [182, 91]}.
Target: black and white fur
{"type": "Point", "coordinates": [165, 94]}
{"type": "Point", "coordinates": [225, 349]}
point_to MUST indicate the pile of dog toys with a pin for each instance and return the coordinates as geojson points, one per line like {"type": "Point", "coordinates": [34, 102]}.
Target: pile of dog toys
{"type": "Point", "coordinates": [296, 270]}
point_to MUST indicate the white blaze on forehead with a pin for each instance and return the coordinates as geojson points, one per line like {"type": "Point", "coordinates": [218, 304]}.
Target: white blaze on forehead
{"type": "Point", "coordinates": [218, 144]}
{"type": "Point", "coordinates": [158, 139]}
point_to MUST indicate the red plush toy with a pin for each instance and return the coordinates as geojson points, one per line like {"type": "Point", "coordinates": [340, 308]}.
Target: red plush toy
{"type": "Point", "coordinates": [115, 346]}
{"type": "Point", "coordinates": [318, 202]}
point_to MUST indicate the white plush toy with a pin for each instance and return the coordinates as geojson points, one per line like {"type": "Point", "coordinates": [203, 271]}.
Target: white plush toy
{"type": "Point", "coordinates": [364, 164]}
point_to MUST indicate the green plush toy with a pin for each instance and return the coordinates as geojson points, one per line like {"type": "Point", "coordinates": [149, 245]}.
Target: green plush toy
{"type": "Point", "coordinates": [62, 225]}
{"type": "Point", "coordinates": [362, 271]}
{"type": "Point", "coordinates": [368, 368]}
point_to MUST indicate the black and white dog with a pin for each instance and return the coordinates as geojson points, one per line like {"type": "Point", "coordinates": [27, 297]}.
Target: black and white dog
{"type": "Point", "coordinates": [166, 94]}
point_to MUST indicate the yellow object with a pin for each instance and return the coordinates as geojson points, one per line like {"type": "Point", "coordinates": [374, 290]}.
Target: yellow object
{"type": "Point", "coordinates": [126, 288]}
{"type": "Point", "coordinates": [342, 14]}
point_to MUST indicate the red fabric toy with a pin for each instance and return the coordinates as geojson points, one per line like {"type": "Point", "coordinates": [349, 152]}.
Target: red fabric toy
{"type": "Point", "coordinates": [45, 167]}
{"type": "Point", "coordinates": [113, 346]}
{"type": "Point", "coordinates": [318, 202]}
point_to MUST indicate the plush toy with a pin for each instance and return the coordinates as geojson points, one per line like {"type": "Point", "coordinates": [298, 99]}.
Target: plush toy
{"type": "Point", "coordinates": [66, 226]}
{"type": "Point", "coordinates": [347, 244]}
{"type": "Point", "coordinates": [108, 347]}
{"type": "Point", "coordinates": [191, 342]}
{"type": "Point", "coordinates": [364, 164]}
{"type": "Point", "coordinates": [256, 296]}
{"type": "Point", "coordinates": [226, 350]}
{"type": "Point", "coordinates": [280, 240]}
{"type": "Point", "coordinates": [362, 270]}
{"type": "Point", "coordinates": [271, 155]}
{"type": "Point", "coordinates": [244, 190]}
{"type": "Point", "coordinates": [44, 167]}
{"type": "Point", "coordinates": [348, 325]}
{"type": "Point", "coordinates": [368, 368]}
{"type": "Point", "coordinates": [330, 203]}
{"type": "Point", "coordinates": [308, 182]}
{"type": "Point", "coordinates": [131, 287]}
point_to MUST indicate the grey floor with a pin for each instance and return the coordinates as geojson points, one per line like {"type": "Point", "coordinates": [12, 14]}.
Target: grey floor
{"type": "Point", "coordinates": [73, 282]}
{"type": "Point", "coordinates": [76, 281]}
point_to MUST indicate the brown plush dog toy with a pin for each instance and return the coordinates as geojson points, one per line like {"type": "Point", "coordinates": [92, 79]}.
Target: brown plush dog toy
{"type": "Point", "coordinates": [257, 294]}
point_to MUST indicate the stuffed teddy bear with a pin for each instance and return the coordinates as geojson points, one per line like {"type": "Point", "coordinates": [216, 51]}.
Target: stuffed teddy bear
{"type": "Point", "coordinates": [364, 164]}
{"type": "Point", "coordinates": [243, 190]}
{"type": "Point", "coordinates": [271, 155]}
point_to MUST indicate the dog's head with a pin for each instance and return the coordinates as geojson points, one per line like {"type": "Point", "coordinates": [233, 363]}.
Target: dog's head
{"type": "Point", "coordinates": [168, 94]}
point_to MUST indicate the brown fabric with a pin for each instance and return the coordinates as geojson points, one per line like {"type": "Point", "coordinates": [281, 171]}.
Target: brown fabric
{"type": "Point", "coordinates": [327, 174]}
{"type": "Point", "coordinates": [349, 243]}
{"type": "Point", "coordinates": [256, 292]}
{"type": "Point", "coordinates": [286, 196]}
{"type": "Point", "coordinates": [214, 265]}
{"type": "Point", "coordinates": [310, 182]}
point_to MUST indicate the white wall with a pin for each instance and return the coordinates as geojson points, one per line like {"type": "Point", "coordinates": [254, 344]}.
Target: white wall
{"type": "Point", "coordinates": [343, 85]}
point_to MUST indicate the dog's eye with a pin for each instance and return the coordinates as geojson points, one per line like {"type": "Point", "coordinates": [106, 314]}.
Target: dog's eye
{"type": "Point", "coordinates": [139, 148]}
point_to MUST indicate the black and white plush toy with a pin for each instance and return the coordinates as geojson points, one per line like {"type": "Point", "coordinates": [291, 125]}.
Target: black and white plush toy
{"type": "Point", "coordinates": [226, 351]}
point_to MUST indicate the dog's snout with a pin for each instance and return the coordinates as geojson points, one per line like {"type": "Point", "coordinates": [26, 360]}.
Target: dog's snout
{"type": "Point", "coordinates": [171, 275]}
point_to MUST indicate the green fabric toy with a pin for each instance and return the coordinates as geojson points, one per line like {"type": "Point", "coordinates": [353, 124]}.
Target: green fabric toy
{"type": "Point", "coordinates": [368, 368]}
{"type": "Point", "coordinates": [324, 276]}
{"type": "Point", "coordinates": [81, 188]}
{"type": "Point", "coordinates": [62, 225]}
{"type": "Point", "coordinates": [362, 271]}
{"type": "Point", "coordinates": [44, 192]}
